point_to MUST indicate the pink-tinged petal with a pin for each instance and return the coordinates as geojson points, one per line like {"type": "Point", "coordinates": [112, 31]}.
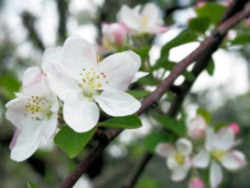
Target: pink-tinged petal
{"type": "Point", "coordinates": [180, 173]}
{"type": "Point", "coordinates": [80, 114]}
{"type": "Point", "coordinates": [164, 149]}
{"type": "Point", "coordinates": [27, 142]}
{"type": "Point", "coordinates": [184, 146]}
{"type": "Point", "coordinates": [120, 69]}
{"type": "Point", "coordinates": [215, 175]}
{"type": "Point", "coordinates": [160, 29]}
{"type": "Point", "coordinates": [235, 128]}
{"type": "Point", "coordinates": [201, 160]}
{"type": "Point", "coordinates": [196, 182]}
{"type": "Point", "coordinates": [14, 138]}
{"type": "Point", "coordinates": [117, 103]}
{"type": "Point", "coordinates": [234, 160]}
{"type": "Point", "coordinates": [200, 4]}
{"type": "Point", "coordinates": [49, 129]}
{"type": "Point", "coordinates": [34, 83]}
{"type": "Point", "coordinates": [78, 54]}
{"type": "Point", "coordinates": [197, 128]}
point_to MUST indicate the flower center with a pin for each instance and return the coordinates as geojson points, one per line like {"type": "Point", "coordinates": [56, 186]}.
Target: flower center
{"type": "Point", "coordinates": [179, 158]}
{"type": "Point", "coordinates": [218, 154]}
{"type": "Point", "coordinates": [91, 82]}
{"type": "Point", "coordinates": [38, 108]}
{"type": "Point", "coordinates": [144, 20]}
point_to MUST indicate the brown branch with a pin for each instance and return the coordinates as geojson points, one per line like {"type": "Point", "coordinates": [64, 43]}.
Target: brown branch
{"type": "Point", "coordinates": [161, 89]}
{"type": "Point", "coordinates": [62, 9]}
{"type": "Point", "coordinates": [29, 22]}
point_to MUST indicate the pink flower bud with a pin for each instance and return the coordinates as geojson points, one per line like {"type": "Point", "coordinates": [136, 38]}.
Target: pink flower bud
{"type": "Point", "coordinates": [114, 35]}
{"type": "Point", "coordinates": [200, 4]}
{"type": "Point", "coordinates": [234, 127]}
{"type": "Point", "coordinates": [196, 128]}
{"type": "Point", "coordinates": [196, 182]}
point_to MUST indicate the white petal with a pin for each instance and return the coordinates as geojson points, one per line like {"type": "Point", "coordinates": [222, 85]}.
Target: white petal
{"type": "Point", "coordinates": [129, 17]}
{"type": "Point", "coordinates": [80, 114]}
{"type": "Point", "coordinates": [117, 103]}
{"type": "Point", "coordinates": [184, 146]}
{"type": "Point", "coordinates": [164, 149]}
{"type": "Point", "coordinates": [49, 128]}
{"type": "Point", "coordinates": [234, 160]}
{"type": "Point", "coordinates": [153, 14]}
{"type": "Point", "coordinates": [139, 75]}
{"type": "Point", "coordinates": [77, 55]}
{"type": "Point", "coordinates": [215, 175]}
{"type": "Point", "coordinates": [171, 162]}
{"type": "Point", "coordinates": [201, 160]}
{"type": "Point", "coordinates": [15, 111]}
{"type": "Point", "coordinates": [180, 173]}
{"type": "Point", "coordinates": [27, 142]}
{"type": "Point", "coordinates": [34, 83]}
{"type": "Point", "coordinates": [210, 139]}
{"type": "Point", "coordinates": [225, 139]}
{"type": "Point", "coordinates": [60, 83]}
{"type": "Point", "coordinates": [197, 128]}
{"type": "Point", "coordinates": [120, 68]}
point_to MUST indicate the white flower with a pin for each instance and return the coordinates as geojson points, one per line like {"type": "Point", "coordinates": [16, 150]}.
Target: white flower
{"type": "Point", "coordinates": [197, 128]}
{"type": "Point", "coordinates": [178, 158]}
{"type": "Point", "coordinates": [34, 114]}
{"type": "Point", "coordinates": [146, 20]}
{"type": "Point", "coordinates": [219, 148]}
{"type": "Point", "coordinates": [77, 77]}
{"type": "Point", "coordinates": [114, 35]}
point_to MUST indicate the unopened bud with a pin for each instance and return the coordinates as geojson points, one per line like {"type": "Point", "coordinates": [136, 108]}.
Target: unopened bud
{"type": "Point", "coordinates": [197, 128]}
{"type": "Point", "coordinates": [196, 182]}
{"type": "Point", "coordinates": [234, 127]}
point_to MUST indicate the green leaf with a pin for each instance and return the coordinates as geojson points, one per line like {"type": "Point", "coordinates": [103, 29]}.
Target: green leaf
{"type": "Point", "coordinates": [156, 137]}
{"type": "Point", "coordinates": [164, 63]}
{"type": "Point", "coordinates": [184, 37]}
{"type": "Point", "coordinates": [241, 39]}
{"type": "Point", "coordinates": [171, 124]}
{"type": "Point", "coordinates": [31, 185]}
{"type": "Point", "coordinates": [199, 24]}
{"type": "Point", "coordinates": [139, 94]}
{"type": "Point", "coordinates": [148, 80]}
{"type": "Point", "coordinates": [9, 84]}
{"type": "Point", "coordinates": [220, 125]}
{"type": "Point", "coordinates": [213, 11]}
{"type": "Point", "coordinates": [72, 142]}
{"type": "Point", "coordinates": [147, 182]}
{"type": "Point", "coordinates": [210, 67]}
{"type": "Point", "coordinates": [143, 52]}
{"type": "Point", "coordinates": [205, 114]}
{"type": "Point", "coordinates": [125, 122]}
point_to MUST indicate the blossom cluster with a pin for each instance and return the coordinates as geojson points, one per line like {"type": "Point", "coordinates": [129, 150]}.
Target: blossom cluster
{"type": "Point", "coordinates": [71, 81]}
{"type": "Point", "coordinates": [132, 22]}
{"type": "Point", "coordinates": [203, 147]}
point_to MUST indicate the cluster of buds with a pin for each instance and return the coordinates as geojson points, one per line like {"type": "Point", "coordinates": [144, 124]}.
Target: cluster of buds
{"type": "Point", "coordinates": [203, 147]}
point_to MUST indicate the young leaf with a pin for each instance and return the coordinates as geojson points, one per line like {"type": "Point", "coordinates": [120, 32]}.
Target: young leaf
{"type": "Point", "coordinates": [199, 24]}
{"type": "Point", "coordinates": [31, 185]}
{"type": "Point", "coordinates": [171, 124]}
{"type": "Point", "coordinates": [71, 142]}
{"type": "Point", "coordinates": [205, 114]}
{"type": "Point", "coordinates": [125, 122]}
{"type": "Point", "coordinates": [210, 67]}
{"type": "Point", "coordinates": [241, 39]}
{"type": "Point", "coordinates": [212, 11]}
{"type": "Point", "coordinates": [139, 94]}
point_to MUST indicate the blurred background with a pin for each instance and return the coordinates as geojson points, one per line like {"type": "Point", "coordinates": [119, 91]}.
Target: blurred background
{"type": "Point", "coordinates": [27, 27]}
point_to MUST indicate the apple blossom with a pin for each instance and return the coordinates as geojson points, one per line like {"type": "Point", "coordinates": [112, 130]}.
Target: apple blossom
{"type": "Point", "coordinates": [114, 35]}
{"type": "Point", "coordinates": [146, 20]}
{"type": "Point", "coordinates": [178, 157]}
{"type": "Point", "coordinates": [197, 128]}
{"type": "Point", "coordinates": [196, 182]}
{"type": "Point", "coordinates": [219, 148]}
{"type": "Point", "coordinates": [34, 114]}
{"type": "Point", "coordinates": [81, 81]}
